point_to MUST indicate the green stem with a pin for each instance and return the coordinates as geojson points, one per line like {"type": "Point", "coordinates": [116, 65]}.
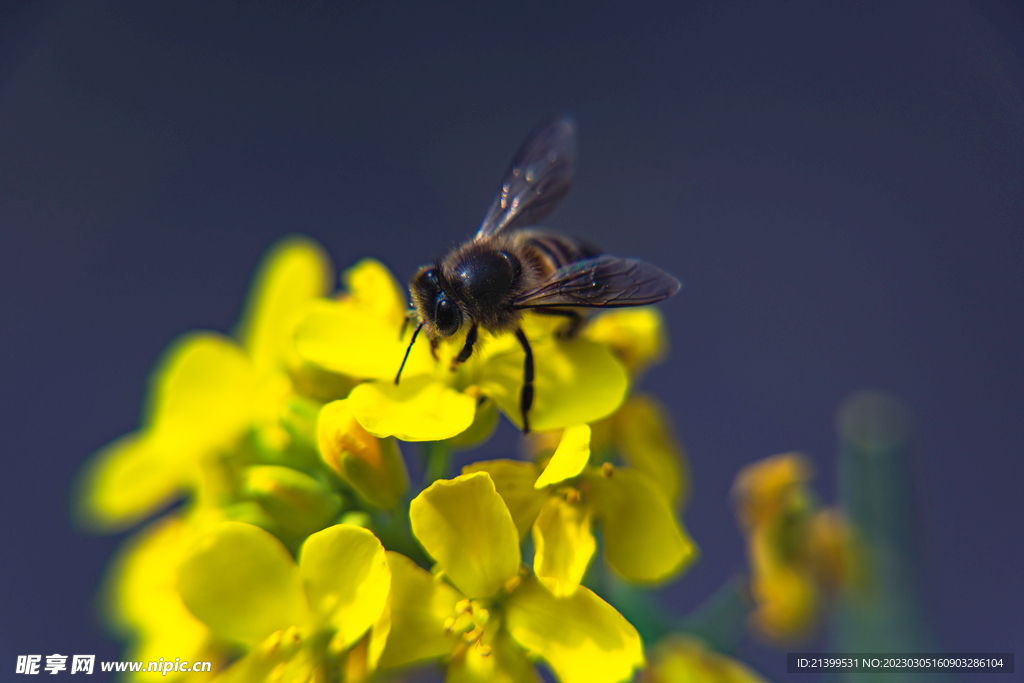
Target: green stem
{"type": "Point", "coordinates": [876, 491]}
{"type": "Point", "coordinates": [721, 620]}
{"type": "Point", "coordinates": [439, 460]}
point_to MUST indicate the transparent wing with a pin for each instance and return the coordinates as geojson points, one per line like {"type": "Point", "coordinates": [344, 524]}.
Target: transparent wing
{"type": "Point", "coordinates": [602, 282]}
{"type": "Point", "coordinates": [539, 175]}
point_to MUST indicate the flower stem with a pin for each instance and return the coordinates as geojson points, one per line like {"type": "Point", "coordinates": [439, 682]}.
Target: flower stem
{"type": "Point", "coordinates": [876, 490]}
{"type": "Point", "coordinates": [439, 460]}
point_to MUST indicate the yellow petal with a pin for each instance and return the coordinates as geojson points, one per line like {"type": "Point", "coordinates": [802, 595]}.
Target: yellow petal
{"type": "Point", "coordinates": [344, 337]}
{"type": "Point", "coordinates": [501, 661]}
{"type": "Point", "coordinates": [204, 391]}
{"type": "Point", "coordinates": [464, 525]}
{"type": "Point", "coordinates": [146, 602]}
{"type": "Point", "coordinates": [420, 603]}
{"type": "Point", "coordinates": [347, 579]}
{"type": "Point", "coordinates": [833, 550]}
{"type": "Point", "coordinates": [643, 540]}
{"type": "Point", "coordinates": [373, 467]}
{"type": "Point", "coordinates": [242, 583]}
{"type": "Point", "coordinates": [202, 401]}
{"type": "Point", "coordinates": [762, 490]}
{"type": "Point", "coordinates": [787, 603]}
{"type": "Point", "coordinates": [419, 409]}
{"type": "Point", "coordinates": [564, 545]}
{"type": "Point", "coordinates": [372, 286]}
{"type": "Point", "coordinates": [637, 335]}
{"type": "Point", "coordinates": [644, 435]}
{"type": "Point", "coordinates": [513, 480]}
{"type": "Point", "coordinates": [570, 457]}
{"type": "Point", "coordinates": [581, 637]}
{"type": "Point", "coordinates": [379, 634]}
{"type": "Point", "coordinates": [128, 480]}
{"type": "Point", "coordinates": [576, 381]}
{"type": "Point", "coordinates": [295, 270]}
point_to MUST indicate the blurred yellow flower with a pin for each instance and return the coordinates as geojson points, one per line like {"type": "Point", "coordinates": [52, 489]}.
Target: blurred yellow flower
{"type": "Point", "coordinates": [206, 394]}
{"type": "Point", "coordinates": [798, 553]}
{"type": "Point", "coordinates": [485, 615]}
{"type": "Point", "coordinates": [144, 605]}
{"type": "Point", "coordinates": [296, 620]}
{"type": "Point", "coordinates": [636, 335]}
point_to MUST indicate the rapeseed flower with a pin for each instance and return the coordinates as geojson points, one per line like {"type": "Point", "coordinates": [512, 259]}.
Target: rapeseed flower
{"type": "Point", "coordinates": [643, 540]}
{"type": "Point", "coordinates": [295, 423]}
{"type": "Point", "coordinates": [484, 614]}
{"type": "Point", "coordinates": [296, 621]}
{"type": "Point", "coordinates": [144, 605]}
{"type": "Point", "coordinates": [799, 554]}
{"type": "Point", "coordinates": [208, 394]}
{"type": "Point", "coordinates": [639, 433]}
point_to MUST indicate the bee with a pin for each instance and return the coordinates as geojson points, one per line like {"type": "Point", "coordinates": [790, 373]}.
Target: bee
{"type": "Point", "coordinates": [508, 268]}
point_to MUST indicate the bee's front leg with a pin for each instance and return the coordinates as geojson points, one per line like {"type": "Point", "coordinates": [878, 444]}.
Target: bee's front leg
{"type": "Point", "coordinates": [526, 395]}
{"type": "Point", "coordinates": [467, 348]}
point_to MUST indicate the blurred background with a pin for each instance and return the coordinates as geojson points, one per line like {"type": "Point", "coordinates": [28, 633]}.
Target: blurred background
{"type": "Point", "coordinates": [840, 186]}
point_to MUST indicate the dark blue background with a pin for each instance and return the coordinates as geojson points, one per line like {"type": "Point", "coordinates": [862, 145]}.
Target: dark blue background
{"type": "Point", "coordinates": [840, 188]}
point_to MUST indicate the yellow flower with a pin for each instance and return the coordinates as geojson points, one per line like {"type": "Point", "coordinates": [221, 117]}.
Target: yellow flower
{"type": "Point", "coordinates": [798, 553]}
{"type": "Point", "coordinates": [146, 608]}
{"type": "Point", "coordinates": [636, 335]}
{"type": "Point", "coordinates": [372, 466]}
{"type": "Point", "coordinates": [682, 659]}
{"type": "Point", "coordinates": [206, 394]}
{"type": "Point", "coordinates": [643, 540]}
{"type": "Point", "coordinates": [359, 336]}
{"type": "Point", "coordinates": [296, 620]}
{"type": "Point", "coordinates": [640, 431]}
{"type": "Point", "coordinates": [482, 612]}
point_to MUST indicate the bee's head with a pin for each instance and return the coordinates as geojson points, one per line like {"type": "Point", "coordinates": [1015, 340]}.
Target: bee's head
{"type": "Point", "coordinates": [435, 307]}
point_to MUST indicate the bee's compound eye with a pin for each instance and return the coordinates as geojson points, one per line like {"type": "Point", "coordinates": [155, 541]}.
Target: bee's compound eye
{"type": "Point", "coordinates": [447, 316]}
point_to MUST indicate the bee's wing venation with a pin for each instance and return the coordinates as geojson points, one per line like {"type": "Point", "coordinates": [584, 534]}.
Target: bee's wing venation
{"type": "Point", "coordinates": [602, 282]}
{"type": "Point", "coordinates": [539, 175]}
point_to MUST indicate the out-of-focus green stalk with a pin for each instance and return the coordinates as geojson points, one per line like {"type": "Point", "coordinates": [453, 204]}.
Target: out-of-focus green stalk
{"type": "Point", "coordinates": [438, 461]}
{"type": "Point", "coordinates": [876, 490]}
{"type": "Point", "coordinates": [721, 620]}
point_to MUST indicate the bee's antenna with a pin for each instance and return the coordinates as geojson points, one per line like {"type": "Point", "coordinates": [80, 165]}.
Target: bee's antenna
{"type": "Point", "coordinates": [406, 357]}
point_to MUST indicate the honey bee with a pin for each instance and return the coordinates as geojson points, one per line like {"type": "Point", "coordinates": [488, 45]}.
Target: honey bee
{"type": "Point", "coordinates": [507, 268]}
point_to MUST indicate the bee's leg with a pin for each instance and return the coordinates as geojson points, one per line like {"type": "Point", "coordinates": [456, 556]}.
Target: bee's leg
{"type": "Point", "coordinates": [526, 395]}
{"type": "Point", "coordinates": [575, 320]}
{"type": "Point", "coordinates": [434, 343]}
{"type": "Point", "coordinates": [467, 348]}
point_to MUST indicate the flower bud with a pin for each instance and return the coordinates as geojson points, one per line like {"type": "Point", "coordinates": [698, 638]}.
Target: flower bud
{"type": "Point", "coordinates": [295, 500]}
{"type": "Point", "coordinates": [372, 466]}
